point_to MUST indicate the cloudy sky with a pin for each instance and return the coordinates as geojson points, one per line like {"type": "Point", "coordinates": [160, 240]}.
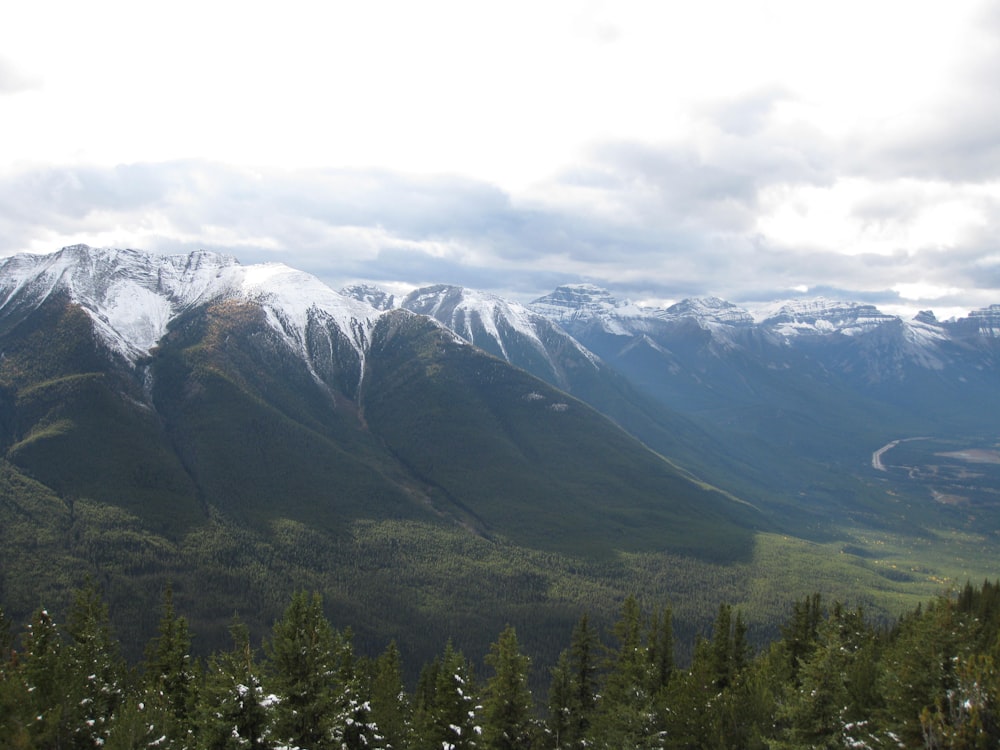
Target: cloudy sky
{"type": "Point", "coordinates": [748, 149]}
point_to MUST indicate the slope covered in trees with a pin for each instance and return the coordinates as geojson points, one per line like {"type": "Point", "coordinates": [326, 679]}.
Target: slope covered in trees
{"type": "Point", "coordinates": [831, 680]}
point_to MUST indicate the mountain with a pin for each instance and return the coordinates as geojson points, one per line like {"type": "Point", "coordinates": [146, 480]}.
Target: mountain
{"type": "Point", "coordinates": [800, 392]}
{"type": "Point", "coordinates": [531, 342]}
{"type": "Point", "coordinates": [717, 354]}
{"type": "Point", "coordinates": [245, 430]}
{"type": "Point", "coordinates": [442, 462]}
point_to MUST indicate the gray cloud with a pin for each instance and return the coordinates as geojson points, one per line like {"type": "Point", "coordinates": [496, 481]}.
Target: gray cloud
{"type": "Point", "coordinates": [669, 226]}
{"type": "Point", "coordinates": [956, 136]}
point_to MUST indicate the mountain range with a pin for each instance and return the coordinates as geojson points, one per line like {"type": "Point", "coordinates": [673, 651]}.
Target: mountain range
{"type": "Point", "coordinates": [246, 430]}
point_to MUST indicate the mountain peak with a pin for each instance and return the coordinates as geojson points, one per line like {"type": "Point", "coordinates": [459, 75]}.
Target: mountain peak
{"type": "Point", "coordinates": [132, 295]}
{"type": "Point", "coordinates": [371, 294]}
{"type": "Point", "coordinates": [820, 315]}
{"type": "Point", "coordinates": [710, 309]}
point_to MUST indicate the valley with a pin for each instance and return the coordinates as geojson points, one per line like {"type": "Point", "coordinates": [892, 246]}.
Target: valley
{"type": "Point", "coordinates": [963, 473]}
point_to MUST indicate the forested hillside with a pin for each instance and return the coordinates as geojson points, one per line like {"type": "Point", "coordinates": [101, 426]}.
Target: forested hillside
{"type": "Point", "coordinates": [831, 680]}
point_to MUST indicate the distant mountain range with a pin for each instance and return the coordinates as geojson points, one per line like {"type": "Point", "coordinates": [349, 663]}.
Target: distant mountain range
{"type": "Point", "coordinates": [741, 397]}
{"type": "Point", "coordinates": [191, 418]}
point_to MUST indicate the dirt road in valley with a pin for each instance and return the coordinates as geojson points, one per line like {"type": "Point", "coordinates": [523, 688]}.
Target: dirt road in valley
{"type": "Point", "coordinates": [877, 455]}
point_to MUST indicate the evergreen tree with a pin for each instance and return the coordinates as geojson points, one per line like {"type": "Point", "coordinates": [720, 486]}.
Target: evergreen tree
{"type": "Point", "coordinates": [627, 717]}
{"type": "Point", "coordinates": [918, 670]}
{"type": "Point", "coordinates": [31, 696]}
{"type": "Point", "coordinates": [13, 692]}
{"type": "Point", "coordinates": [800, 636]}
{"type": "Point", "coordinates": [233, 713]}
{"type": "Point", "coordinates": [95, 670]}
{"type": "Point", "coordinates": [558, 726]}
{"type": "Point", "coordinates": [171, 677]}
{"type": "Point", "coordinates": [447, 710]}
{"type": "Point", "coordinates": [968, 716]}
{"type": "Point", "coordinates": [390, 705]}
{"type": "Point", "coordinates": [828, 709]}
{"type": "Point", "coordinates": [573, 690]}
{"type": "Point", "coordinates": [303, 664]}
{"type": "Point", "coordinates": [691, 696]}
{"type": "Point", "coordinates": [661, 651]}
{"type": "Point", "coordinates": [425, 704]}
{"type": "Point", "coordinates": [353, 728]}
{"type": "Point", "coordinates": [729, 651]}
{"type": "Point", "coordinates": [508, 706]}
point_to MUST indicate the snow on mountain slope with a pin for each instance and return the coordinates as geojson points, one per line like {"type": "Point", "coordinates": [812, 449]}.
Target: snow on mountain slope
{"type": "Point", "coordinates": [709, 310]}
{"type": "Point", "coordinates": [573, 306]}
{"type": "Point", "coordinates": [883, 342]}
{"type": "Point", "coordinates": [488, 321]}
{"type": "Point", "coordinates": [986, 321]}
{"type": "Point", "coordinates": [372, 295]}
{"type": "Point", "coordinates": [132, 296]}
{"type": "Point", "coordinates": [821, 316]}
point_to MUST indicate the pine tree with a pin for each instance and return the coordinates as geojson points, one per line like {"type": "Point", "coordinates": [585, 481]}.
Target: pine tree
{"type": "Point", "coordinates": [508, 706]}
{"type": "Point", "coordinates": [573, 691]}
{"type": "Point", "coordinates": [171, 677]}
{"type": "Point", "coordinates": [918, 670]}
{"type": "Point", "coordinates": [558, 726]}
{"type": "Point", "coordinates": [661, 651]}
{"type": "Point", "coordinates": [303, 663]}
{"type": "Point", "coordinates": [829, 709]}
{"type": "Point", "coordinates": [425, 704]}
{"type": "Point", "coordinates": [390, 705]}
{"type": "Point", "coordinates": [353, 726]}
{"type": "Point", "coordinates": [627, 715]}
{"type": "Point", "coordinates": [447, 708]}
{"type": "Point", "coordinates": [233, 713]}
{"type": "Point", "coordinates": [96, 671]}
{"type": "Point", "coordinates": [47, 711]}
{"type": "Point", "coordinates": [799, 637]}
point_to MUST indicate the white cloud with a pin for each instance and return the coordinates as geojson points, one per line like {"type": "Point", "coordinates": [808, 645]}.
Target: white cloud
{"type": "Point", "coordinates": [725, 147]}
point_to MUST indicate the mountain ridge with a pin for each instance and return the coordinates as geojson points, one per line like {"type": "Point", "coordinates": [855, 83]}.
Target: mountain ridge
{"type": "Point", "coordinates": [279, 435]}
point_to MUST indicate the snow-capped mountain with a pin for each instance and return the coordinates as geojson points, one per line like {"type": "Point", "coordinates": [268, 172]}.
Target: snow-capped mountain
{"type": "Point", "coordinates": [371, 295]}
{"type": "Point", "coordinates": [173, 384]}
{"type": "Point", "coordinates": [708, 310]}
{"type": "Point", "coordinates": [610, 326]}
{"type": "Point", "coordinates": [985, 321]}
{"type": "Point", "coordinates": [246, 428]}
{"type": "Point", "coordinates": [813, 374]}
{"type": "Point", "coordinates": [503, 328]}
{"type": "Point", "coordinates": [821, 316]}
{"type": "Point", "coordinates": [132, 297]}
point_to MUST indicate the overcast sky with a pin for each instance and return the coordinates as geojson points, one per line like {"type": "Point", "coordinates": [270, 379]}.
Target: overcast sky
{"type": "Point", "coordinates": [747, 149]}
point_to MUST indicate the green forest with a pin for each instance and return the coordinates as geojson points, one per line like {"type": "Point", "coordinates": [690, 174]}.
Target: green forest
{"type": "Point", "coordinates": [833, 679]}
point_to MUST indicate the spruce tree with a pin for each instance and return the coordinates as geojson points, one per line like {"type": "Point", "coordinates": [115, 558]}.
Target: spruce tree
{"type": "Point", "coordinates": [31, 700]}
{"type": "Point", "coordinates": [448, 710]}
{"type": "Point", "coordinates": [233, 713]}
{"type": "Point", "coordinates": [95, 669]}
{"type": "Point", "coordinates": [573, 691]}
{"type": "Point", "coordinates": [559, 722]}
{"type": "Point", "coordinates": [919, 668]}
{"type": "Point", "coordinates": [627, 717]}
{"type": "Point", "coordinates": [660, 649]}
{"type": "Point", "coordinates": [353, 726]}
{"type": "Point", "coordinates": [302, 664]}
{"type": "Point", "coordinates": [390, 705]}
{"type": "Point", "coordinates": [508, 706]}
{"type": "Point", "coordinates": [829, 708]}
{"type": "Point", "coordinates": [171, 677]}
